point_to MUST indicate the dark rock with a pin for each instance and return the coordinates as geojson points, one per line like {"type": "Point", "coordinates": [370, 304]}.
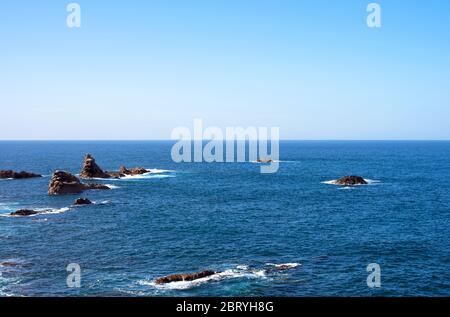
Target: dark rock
{"type": "Point", "coordinates": [115, 174]}
{"type": "Point", "coordinates": [95, 186]}
{"type": "Point", "coordinates": [24, 212]}
{"type": "Point", "coordinates": [183, 277]}
{"type": "Point", "coordinates": [133, 171]}
{"type": "Point", "coordinates": [65, 183]}
{"type": "Point", "coordinates": [17, 175]}
{"type": "Point", "coordinates": [91, 169]}
{"type": "Point", "coordinates": [351, 181]}
{"type": "Point", "coordinates": [82, 201]}
{"type": "Point", "coordinates": [266, 160]}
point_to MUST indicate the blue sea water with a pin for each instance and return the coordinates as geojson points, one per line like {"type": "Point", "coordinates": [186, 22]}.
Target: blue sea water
{"type": "Point", "coordinates": [231, 218]}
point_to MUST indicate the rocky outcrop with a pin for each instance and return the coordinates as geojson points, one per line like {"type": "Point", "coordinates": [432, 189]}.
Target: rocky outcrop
{"type": "Point", "coordinates": [134, 171]}
{"type": "Point", "coordinates": [82, 201]}
{"type": "Point", "coordinates": [65, 183]}
{"type": "Point", "coordinates": [91, 169]}
{"type": "Point", "coordinates": [183, 277]}
{"type": "Point", "coordinates": [24, 212]}
{"type": "Point", "coordinates": [351, 181]}
{"type": "Point", "coordinates": [17, 175]}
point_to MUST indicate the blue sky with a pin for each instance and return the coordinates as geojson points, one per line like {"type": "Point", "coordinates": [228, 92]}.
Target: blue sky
{"type": "Point", "coordinates": [138, 69]}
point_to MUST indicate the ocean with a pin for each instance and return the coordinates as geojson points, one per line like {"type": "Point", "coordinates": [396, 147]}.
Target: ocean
{"type": "Point", "coordinates": [230, 218]}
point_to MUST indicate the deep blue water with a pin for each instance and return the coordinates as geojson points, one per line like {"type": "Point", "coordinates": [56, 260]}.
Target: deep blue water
{"type": "Point", "coordinates": [229, 217]}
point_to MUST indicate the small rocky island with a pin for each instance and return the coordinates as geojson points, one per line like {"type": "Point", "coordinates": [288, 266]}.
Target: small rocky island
{"type": "Point", "coordinates": [65, 183]}
{"type": "Point", "coordinates": [82, 201]}
{"type": "Point", "coordinates": [91, 170]}
{"type": "Point", "coordinates": [351, 181]}
{"type": "Point", "coordinates": [17, 175]}
{"type": "Point", "coordinates": [24, 212]}
{"type": "Point", "coordinates": [184, 277]}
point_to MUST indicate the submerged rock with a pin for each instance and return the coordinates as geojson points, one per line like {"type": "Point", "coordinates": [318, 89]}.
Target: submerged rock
{"type": "Point", "coordinates": [351, 181]}
{"type": "Point", "coordinates": [264, 160]}
{"type": "Point", "coordinates": [17, 175]}
{"type": "Point", "coordinates": [24, 212]}
{"type": "Point", "coordinates": [9, 264]}
{"type": "Point", "coordinates": [82, 201]}
{"type": "Point", "coordinates": [184, 277]}
{"type": "Point", "coordinates": [91, 169]}
{"type": "Point", "coordinates": [65, 183]}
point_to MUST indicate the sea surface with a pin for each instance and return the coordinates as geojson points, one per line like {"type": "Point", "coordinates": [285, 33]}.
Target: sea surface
{"type": "Point", "coordinates": [228, 217]}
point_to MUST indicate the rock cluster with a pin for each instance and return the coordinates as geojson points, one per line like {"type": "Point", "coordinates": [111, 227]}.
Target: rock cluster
{"type": "Point", "coordinates": [65, 183]}
{"type": "Point", "coordinates": [17, 175]}
{"type": "Point", "coordinates": [90, 170]}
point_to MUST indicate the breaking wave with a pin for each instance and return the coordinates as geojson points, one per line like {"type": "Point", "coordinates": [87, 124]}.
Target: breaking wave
{"type": "Point", "coordinates": [239, 272]}
{"type": "Point", "coordinates": [111, 186]}
{"type": "Point", "coordinates": [284, 265]}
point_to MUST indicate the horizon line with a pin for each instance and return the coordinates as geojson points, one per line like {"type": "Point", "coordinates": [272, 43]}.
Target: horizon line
{"type": "Point", "coordinates": [165, 140]}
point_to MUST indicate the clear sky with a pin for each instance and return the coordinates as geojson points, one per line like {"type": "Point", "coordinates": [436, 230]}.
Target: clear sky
{"type": "Point", "coordinates": [138, 69]}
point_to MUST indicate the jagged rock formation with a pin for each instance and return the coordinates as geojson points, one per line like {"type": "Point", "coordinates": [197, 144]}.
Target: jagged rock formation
{"type": "Point", "coordinates": [65, 183]}
{"type": "Point", "coordinates": [91, 169]}
{"type": "Point", "coordinates": [351, 181]}
{"type": "Point", "coordinates": [17, 175]}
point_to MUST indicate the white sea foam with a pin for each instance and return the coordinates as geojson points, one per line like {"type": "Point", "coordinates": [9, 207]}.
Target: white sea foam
{"type": "Point", "coordinates": [151, 173]}
{"type": "Point", "coordinates": [145, 176]}
{"type": "Point", "coordinates": [103, 202]}
{"type": "Point", "coordinates": [284, 265]}
{"type": "Point", "coordinates": [159, 171]}
{"type": "Point", "coordinates": [110, 186]}
{"type": "Point", "coordinates": [52, 211]}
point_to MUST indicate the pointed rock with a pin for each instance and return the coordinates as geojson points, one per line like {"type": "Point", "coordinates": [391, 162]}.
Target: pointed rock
{"type": "Point", "coordinates": [17, 175]}
{"type": "Point", "coordinates": [91, 169]}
